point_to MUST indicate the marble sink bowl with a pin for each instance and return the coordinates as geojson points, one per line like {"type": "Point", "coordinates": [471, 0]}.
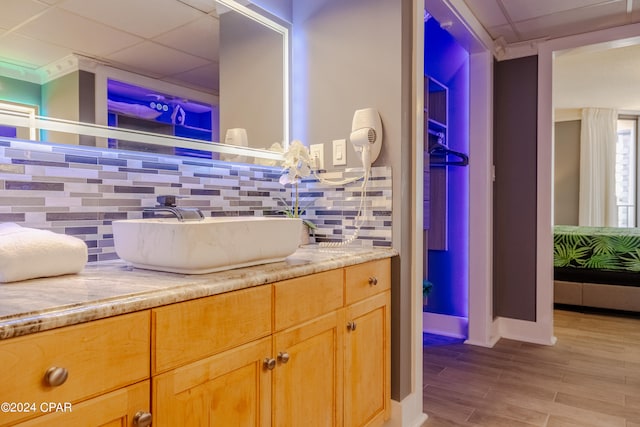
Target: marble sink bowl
{"type": "Point", "coordinates": [213, 244]}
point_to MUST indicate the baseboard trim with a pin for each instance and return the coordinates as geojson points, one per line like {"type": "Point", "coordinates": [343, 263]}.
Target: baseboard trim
{"type": "Point", "coordinates": [521, 330]}
{"type": "Point", "coordinates": [488, 344]}
{"type": "Point", "coordinates": [443, 324]}
{"type": "Point", "coordinates": [407, 413]}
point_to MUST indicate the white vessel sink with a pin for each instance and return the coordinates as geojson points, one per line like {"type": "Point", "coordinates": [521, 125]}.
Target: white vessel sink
{"type": "Point", "coordinates": [213, 244]}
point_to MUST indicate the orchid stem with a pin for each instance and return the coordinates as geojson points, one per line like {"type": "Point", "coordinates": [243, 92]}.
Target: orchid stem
{"type": "Point", "coordinates": [296, 206]}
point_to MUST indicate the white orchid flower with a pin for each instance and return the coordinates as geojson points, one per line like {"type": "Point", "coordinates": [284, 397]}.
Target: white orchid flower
{"type": "Point", "coordinates": [296, 163]}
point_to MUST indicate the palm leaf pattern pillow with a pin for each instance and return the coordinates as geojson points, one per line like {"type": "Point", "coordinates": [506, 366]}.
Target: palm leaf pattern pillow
{"type": "Point", "coordinates": [596, 247]}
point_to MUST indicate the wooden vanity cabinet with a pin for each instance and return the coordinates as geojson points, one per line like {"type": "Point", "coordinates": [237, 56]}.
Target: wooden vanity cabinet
{"type": "Point", "coordinates": [310, 351]}
{"type": "Point", "coordinates": [209, 360]}
{"type": "Point", "coordinates": [120, 408]}
{"type": "Point", "coordinates": [367, 346]}
{"type": "Point", "coordinates": [367, 363]}
{"type": "Point", "coordinates": [232, 388]}
{"type": "Point", "coordinates": [309, 325]}
{"type": "Point", "coordinates": [94, 374]}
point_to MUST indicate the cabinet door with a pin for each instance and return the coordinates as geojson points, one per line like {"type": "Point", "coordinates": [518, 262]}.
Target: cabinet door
{"type": "Point", "coordinates": [232, 388]}
{"type": "Point", "coordinates": [98, 357]}
{"type": "Point", "coordinates": [308, 375]}
{"type": "Point", "coordinates": [115, 409]}
{"type": "Point", "coordinates": [367, 362]}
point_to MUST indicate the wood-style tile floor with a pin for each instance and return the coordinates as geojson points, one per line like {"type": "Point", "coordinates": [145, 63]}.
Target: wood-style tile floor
{"type": "Point", "coordinates": [590, 378]}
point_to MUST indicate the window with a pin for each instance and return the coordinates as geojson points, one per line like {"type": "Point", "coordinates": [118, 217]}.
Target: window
{"type": "Point", "coordinates": [626, 167]}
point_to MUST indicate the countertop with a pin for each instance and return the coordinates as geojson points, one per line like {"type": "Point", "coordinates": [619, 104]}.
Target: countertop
{"type": "Point", "coordinates": [111, 288]}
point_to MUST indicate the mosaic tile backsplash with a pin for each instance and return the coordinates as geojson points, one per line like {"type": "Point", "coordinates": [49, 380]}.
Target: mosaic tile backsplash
{"type": "Point", "coordinates": [81, 190]}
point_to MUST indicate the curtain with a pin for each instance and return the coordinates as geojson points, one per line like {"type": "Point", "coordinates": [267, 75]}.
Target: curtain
{"type": "Point", "coordinates": [598, 136]}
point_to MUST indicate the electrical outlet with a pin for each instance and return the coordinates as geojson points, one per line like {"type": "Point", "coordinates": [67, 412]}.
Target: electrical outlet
{"type": "Point", "coordinates": [339, 152]}
{"type": "Point", "coordinates": [316, 152]}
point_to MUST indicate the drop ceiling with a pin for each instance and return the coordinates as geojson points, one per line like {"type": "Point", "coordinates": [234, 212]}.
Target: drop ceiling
{"type": "Point", "coordinates": [598, 77]}
{"type": "Point", "coordinates": [171, 40]}
{"type": "Point", "coordinates": [176, 40]}
{"type": "Point", "coordinates": [518, 21]}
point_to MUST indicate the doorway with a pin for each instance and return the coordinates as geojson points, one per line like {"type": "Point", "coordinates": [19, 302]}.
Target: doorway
{"type": "Point", "coordinates": [446, 178]}
{"type": "Point", "coordinates": [586, 211]}
{"type": "Point", "coordinates": [547, 51]}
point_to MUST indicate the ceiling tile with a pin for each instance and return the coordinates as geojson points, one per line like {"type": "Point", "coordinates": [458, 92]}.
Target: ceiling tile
{"type": "Point", "coordinates": [29, 53]}
{"type": "Point", "coordinates": [520, 10]}
{"type": "Point", "coordinates": [140, 17]}
{"type": "Point", "coordinates": [155, 60]}
{"type": "Point", "coordinates": [15, 12]}
{"type": "Point", "coordinates": [573, 22]}
{"type": "Point", "coordinates": [488, 12]}
{"type": "Point", "coordinates": [205, 77]}
{"type": "Point", "coordinates": [207, 6]}
{"type": "Point", "coordinates": [199, 38]}
{"type": "Point", "coordinates": [81, 35]}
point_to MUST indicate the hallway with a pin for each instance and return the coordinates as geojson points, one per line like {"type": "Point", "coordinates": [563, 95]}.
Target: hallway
{"type": "Point", "coordinates": [590, 378]}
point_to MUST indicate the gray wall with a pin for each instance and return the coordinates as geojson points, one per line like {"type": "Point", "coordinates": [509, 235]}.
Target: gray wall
{"type": "Point", "coordinates": [349, 55]}
{"type": "Point", "coordinates": [566, 170]}
{"type": "Point", "coordinates": [515, 187]}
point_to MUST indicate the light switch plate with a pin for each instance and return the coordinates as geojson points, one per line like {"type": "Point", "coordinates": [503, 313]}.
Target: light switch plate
{"type": "Point", "coordinates": [339, 152]}
{"type": "Point", "coordinates": [316, 152]}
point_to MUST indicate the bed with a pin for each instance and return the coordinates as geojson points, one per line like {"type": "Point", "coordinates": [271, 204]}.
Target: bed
{"type": "Point", "coordinates": [597, 267]}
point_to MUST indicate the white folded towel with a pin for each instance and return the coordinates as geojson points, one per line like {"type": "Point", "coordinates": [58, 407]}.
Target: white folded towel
{"type": "Point", "coordinates": [27, 253]}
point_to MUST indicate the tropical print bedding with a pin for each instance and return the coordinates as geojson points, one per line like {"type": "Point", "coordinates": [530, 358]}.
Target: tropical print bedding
{"type": "Point", "coordinates": [600, 248]}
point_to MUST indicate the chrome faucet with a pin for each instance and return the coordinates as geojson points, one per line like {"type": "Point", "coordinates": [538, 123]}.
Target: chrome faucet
{"type": "Point", "coordinates": [168, 204]}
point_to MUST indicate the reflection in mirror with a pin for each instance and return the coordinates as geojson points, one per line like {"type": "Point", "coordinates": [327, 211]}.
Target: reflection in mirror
{"type": "Point", "coordinates": [209, 66]}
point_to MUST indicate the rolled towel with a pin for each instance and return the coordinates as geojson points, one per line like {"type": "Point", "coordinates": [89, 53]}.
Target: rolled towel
{"type": "Point", "coordinates": [27, 253]}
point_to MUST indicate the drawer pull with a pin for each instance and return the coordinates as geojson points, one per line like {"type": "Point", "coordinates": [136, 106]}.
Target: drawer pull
{"type": "Point", "coordinates": [142, 419]}
{"type": "Point", "coordinates": [373, 281]}
{"type": "Point", "coordinates": [269, 363]}
{"type": "Point", "coordinates": [351, 326]}
{"type": "Point", "coordinates": [283, 357]}
{"type": "Point", "coordinates": [55, 376]}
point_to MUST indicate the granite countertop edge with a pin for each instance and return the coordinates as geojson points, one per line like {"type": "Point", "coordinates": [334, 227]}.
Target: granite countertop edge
{"type": "Point", "coordinates": [20, 315]}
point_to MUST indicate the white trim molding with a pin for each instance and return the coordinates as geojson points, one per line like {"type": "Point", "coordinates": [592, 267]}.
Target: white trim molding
{"type": "Point", "coordinates": [445, 325]}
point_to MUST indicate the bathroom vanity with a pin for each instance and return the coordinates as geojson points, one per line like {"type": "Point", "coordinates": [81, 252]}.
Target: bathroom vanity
{"type": "Point", "coordinates": [300, 342]}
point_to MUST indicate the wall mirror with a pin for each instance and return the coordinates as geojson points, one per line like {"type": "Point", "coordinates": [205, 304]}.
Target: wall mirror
{"type": "Point", "coordinates": [172, 78]}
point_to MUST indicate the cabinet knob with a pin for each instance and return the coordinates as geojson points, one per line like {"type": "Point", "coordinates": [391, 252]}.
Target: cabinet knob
{"type": "Point", "coordinates": [373, 281]}
{"type": "Point", "coordinates": [351, 326]}
{"type": "Point", "coordinates": [269, 363]}
{"type": "Point", "coordinates": [55, 376]}
{"type": "Point", "coordinates": [142, 419]}
{"type": "Point", "coordinates": [283, 357]}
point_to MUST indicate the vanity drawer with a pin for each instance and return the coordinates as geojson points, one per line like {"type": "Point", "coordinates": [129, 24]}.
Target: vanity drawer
{"type": "Point", "coordinates": [303, 298]}
{"type": "Point", "coordinates": [364, 280]}
{"type": "Point", "coordinates": [98, 357]}
{"type": "Point", "coordinates": [191, 330]}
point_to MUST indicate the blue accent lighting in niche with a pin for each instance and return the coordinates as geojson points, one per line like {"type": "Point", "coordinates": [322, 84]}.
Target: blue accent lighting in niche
{"type": "Point", "coordinates": [448, 270]}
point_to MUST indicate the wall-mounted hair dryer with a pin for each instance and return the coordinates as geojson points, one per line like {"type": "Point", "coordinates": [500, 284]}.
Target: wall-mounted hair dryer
{"type": "Point", "coordinates": [366, 135]}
